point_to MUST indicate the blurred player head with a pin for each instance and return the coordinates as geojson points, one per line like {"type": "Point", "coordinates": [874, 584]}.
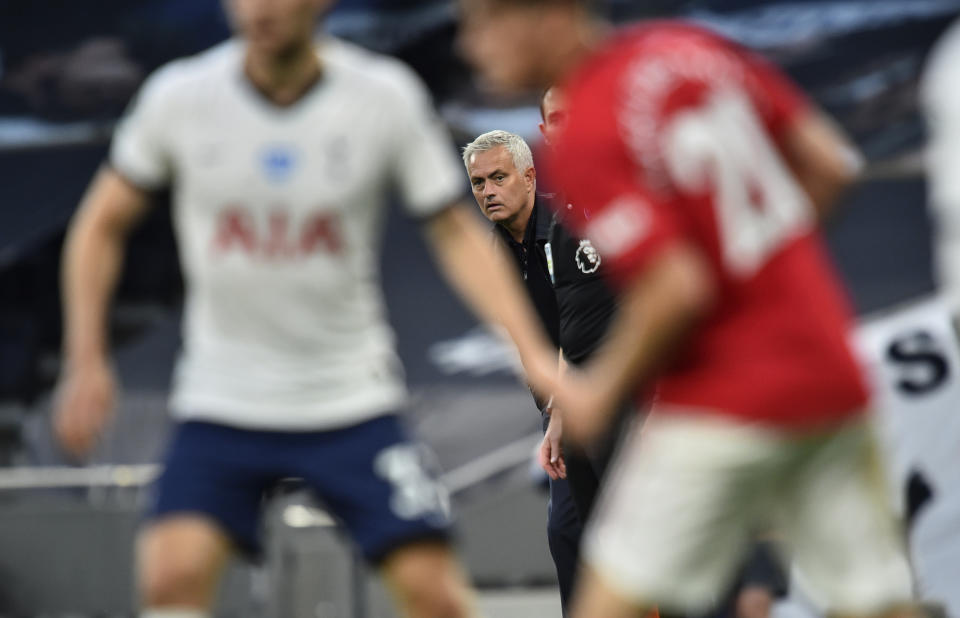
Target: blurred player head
{"type": "Point", "coordinates": [502, 176]}
{"type": "Point", "coordinates": [553, 113]}
{"type": "Point", "coordinates": [524, 44]}
{"type": "Point", "coordinates": [276, 28]}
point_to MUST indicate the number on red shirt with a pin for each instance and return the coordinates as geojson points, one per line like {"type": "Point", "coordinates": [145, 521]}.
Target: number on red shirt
{"type": "Point", "coordinates": [721, 147]}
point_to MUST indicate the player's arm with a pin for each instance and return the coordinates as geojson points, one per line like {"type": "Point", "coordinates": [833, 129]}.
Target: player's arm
{"type": "Point", "coordinates": [475, 268]}
{"type": "Point", "coordinates": [92, 260]}
{"type": "Point", "coordinates": [822, 159]}
{"type": "Point", "coordinates": [658, 306]}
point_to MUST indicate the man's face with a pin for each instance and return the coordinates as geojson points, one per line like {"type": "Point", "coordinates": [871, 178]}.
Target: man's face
{"type": "Point", "coordinates": [501, 191]}
{"type": "Point", "coordinates": [506, 41]}
{"type": "Point", "coordinates": [554, 110]}
{"type": "Point", "coordinates": [276, 27]}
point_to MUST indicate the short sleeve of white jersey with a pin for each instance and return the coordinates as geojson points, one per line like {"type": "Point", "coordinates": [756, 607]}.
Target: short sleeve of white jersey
{"type": "Point", "coordinates": [425, 166]}
{"type": "Point", "coordinates": [139, 150]}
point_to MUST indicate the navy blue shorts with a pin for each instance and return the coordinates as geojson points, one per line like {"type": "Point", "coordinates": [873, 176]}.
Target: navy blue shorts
{"type": "Point", "coordinates": [381, 486]}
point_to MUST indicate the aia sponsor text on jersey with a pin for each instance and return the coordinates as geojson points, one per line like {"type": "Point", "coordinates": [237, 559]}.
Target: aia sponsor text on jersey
{"type": "Point", "coordinates": [277, 234]}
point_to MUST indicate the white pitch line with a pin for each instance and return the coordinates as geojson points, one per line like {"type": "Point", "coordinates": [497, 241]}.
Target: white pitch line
{"type": "Point", "coordinates": [493, 463]}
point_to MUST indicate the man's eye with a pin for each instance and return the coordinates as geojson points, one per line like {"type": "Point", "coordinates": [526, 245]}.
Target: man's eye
{"type": "Point", "coordinates": [500, 178]}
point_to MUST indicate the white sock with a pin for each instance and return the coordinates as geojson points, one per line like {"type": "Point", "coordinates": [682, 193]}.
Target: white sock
{"type": "Point", "coordinates": [174, 612]}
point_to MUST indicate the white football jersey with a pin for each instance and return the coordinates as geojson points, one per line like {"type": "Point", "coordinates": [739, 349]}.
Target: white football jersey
{"type": "Point", "coordinates": [278, 214]}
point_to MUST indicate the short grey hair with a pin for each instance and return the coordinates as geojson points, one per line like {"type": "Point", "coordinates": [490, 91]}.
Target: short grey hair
{"type": "Point", "coordinates": [515, 145]}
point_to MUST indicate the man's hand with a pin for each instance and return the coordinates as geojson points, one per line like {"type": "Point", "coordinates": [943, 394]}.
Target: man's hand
{"type": "Point", "coordinates": [83, 405]}
{"type": "Point", "coordinates": [550, 455]}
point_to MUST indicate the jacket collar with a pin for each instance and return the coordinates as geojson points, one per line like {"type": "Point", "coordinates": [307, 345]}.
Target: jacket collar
{"type": "Point", "coordinates": [538, 226]}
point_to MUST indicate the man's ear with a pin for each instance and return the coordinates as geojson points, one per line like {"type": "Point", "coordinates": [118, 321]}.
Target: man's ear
{"type": "Point", "coordinates": [531, 177]}
{"type": "Point", "coordinates": [543, 129]}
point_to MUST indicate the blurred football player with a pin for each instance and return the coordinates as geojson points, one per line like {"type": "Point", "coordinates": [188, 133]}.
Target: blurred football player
{"type": "Point", "coordinates": [280, 159]}
{"type": "Point", "coordinates": [587, 306]}
{"type": "Point", "coordinates": [700, 171]}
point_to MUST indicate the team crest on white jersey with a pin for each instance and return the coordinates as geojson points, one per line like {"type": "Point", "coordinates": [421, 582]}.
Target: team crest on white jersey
{"type": "Point", "coordinates": [278, 162]}
{"type": "Point", "coordinates": [587, 257]}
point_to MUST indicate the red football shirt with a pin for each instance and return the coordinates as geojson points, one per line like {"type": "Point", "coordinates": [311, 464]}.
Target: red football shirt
{"type": "Point", "coordinates": [673, 136]}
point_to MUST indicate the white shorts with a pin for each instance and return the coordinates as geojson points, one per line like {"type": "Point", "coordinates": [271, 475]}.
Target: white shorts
{"type": "Point", "coordinates": [689, 490]}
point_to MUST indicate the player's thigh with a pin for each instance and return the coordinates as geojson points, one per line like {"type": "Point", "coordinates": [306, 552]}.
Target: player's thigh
{"type": "Point", "coordinates": [674, 517]}
{"type": "Point", "coordinates": [840, 528]}
{"type": "Point", "coordinates": [380, 484]}
{"type": "Point", "coordinates": [180, 559]}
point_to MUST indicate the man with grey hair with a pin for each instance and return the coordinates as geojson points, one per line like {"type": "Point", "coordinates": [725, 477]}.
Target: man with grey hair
{"type": "Point", "coordinates": [515, 145]}
{"type": "Point", "coordinates": [509, 199]}
{"type": "Point", "coordinates": [504, 183]}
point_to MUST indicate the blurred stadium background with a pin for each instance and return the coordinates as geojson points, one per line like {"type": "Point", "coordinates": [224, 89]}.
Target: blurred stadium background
{"type": "Point", "coordinates": [67, 70]}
